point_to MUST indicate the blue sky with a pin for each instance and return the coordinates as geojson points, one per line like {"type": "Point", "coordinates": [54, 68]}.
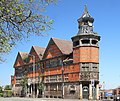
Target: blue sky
{"type": "Point", "coordinates": [65, 14]}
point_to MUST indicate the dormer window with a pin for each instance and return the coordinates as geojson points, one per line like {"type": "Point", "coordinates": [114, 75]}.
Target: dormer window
{"type": "Point", "coordinates": [85, 41]}
{"type": "Point", "coordinates": [94, 42]}
{"type": "Point", "coordinates": [76, 43]}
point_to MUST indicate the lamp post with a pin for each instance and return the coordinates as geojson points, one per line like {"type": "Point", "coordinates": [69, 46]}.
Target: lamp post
{"type": "Point", "coordinates": [29, 83]}
{"type": "Point", "coordinates": [63, 62]}
{"type": "Point", "coordinates": [33, 80]}
{"type": "Point", "coordinates": [93, 88]}
{"type": "Point", "coordinates": [62, 79]}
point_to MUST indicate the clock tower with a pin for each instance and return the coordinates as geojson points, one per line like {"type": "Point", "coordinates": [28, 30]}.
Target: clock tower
{"type": "Point", "coordinates": [86, 54]}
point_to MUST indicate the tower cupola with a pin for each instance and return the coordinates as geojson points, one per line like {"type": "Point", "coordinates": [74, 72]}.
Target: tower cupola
{"type": "Point", "coordinates": [85, 22]}
{"type": "Point", "coordinates": [85, 35]}
{"type": "Point", "coordinates": [85, 18]}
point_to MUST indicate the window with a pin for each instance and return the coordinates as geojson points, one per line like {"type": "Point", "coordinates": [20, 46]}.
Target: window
{"type": "Point", "coordinates": [59, 62]}
{"type": "Point", "coordinates": [19, 75]}
{"type": "Point", "coordinates": [36, 67]}
{"type": "Point", "coordinates": [76, 43]}
{"type": "Point", "coordinates": [38, 64]}
{"type": "Point", "coordinates": [94, 42]}
{"type": "Point", "coordinates": [30, 68]}
{"type": "Point", "coordinates": [85, 41]}
{"type": "Point", "coordinates": [66, 77]}
{"type": "Point", "coordinates": [53, 78]}
{"type": "Point", "coordinates": [19, 72]}
{"type": "Point", "coordinates": [42, 65]}
{"type": "Point", "coordinates": [85, 68]}
{"type": "Point", "coordinates": [18, 69]}
{"type": "Point", "coordinates": [47, 79]}
{"type": "Point", "coordinates": [59, 78]}
{"type": "Point", "coordinates": [59, 87]}
{"type": "Point", "coordinates": [72, 89]}
{"type": "Point", "coordinates": [53, 87]}
{"type": "Point", "coordinates": [47, 64]}
{"type": "Point", "coordinates": [18, 81]}
{"type": "Point", "coordinates": [94, 68]}
{"type": "Point", "coordinates": [51, 63]}
{"type": "Point", "coordinates": [46, 87]}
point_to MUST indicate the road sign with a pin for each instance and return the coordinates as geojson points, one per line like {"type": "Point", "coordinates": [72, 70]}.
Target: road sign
{"type": "Point", "coordinates": [108, 94]}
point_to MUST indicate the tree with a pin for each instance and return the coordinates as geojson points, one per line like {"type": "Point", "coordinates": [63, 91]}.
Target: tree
{"type": "Point", "coordinates": [23, 83]}
{"type": "Point", "coordinates": [1, 91]}
{"type": "Point", "coordinates": [20, 19]}
{"type": "Point", "coordinates": [7, 87]}
{"type": "Point", "coordinates": [41, 82]}
{"type": "Point", "coordinates": [7, 91]}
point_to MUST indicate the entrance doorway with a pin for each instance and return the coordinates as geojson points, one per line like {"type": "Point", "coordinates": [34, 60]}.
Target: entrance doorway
{"type": "Point", "coordinates": [85, 92]}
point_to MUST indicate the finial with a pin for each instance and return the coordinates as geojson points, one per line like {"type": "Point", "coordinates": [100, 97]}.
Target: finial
{"type": "Point", "coordinates": [85, 9]}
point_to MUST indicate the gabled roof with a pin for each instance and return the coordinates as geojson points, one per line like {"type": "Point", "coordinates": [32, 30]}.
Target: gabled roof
{"type": "Point", "coordinates": [65, 46]}
{"type": "Point", "coordinates": [23, 56]}
{"type": "Point", "coordinates": [39, 51]}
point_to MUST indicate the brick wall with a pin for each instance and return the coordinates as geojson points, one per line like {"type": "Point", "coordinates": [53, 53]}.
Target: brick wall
{"type": "Point", "coordinates": [53, 51]}
{"type": "Point", "coordinates": [13, 80]}
{"type": "Point", "coordinates": [19, 62]}
{"type": "Point", "coordinates": [86, 54]}
{"type": "Point", "coordinates": [89, 54]}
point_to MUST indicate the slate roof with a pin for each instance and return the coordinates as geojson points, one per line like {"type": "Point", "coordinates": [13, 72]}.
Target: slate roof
{"type": "Point", "coordinates": [39, 51]}
{"type": "Point", "coordinates": [65, 46]}
{"type": "Point", "coordinates": [86, 16]}
{"type": "Point", "coordinates": [23, 55]}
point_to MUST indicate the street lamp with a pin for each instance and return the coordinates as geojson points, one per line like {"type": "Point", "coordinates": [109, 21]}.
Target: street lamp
{"type": "Point", "coordinates": [93, 88]}
{"type": "Point", "coordinates": [33, 80]}
{"type": "Point", "coordinates": [63, 61]}
{"type": "Point", "coordinates": [62, 80]}
{"type": "Point", "coordinates": [29, 83]}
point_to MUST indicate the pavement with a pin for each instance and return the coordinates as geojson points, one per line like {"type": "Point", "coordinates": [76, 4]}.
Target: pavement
{"type": "Point", "coordinates": [38, 99]}
{"type": "Point", "coordinates": [43, 99]}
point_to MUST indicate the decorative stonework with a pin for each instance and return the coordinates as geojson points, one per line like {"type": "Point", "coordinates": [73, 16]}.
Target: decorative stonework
{"type": "Point", "coordinates": [87, 76]}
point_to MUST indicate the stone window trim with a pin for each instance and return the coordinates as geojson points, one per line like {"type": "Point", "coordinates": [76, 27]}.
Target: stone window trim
{"type": "Point", "coordinates": [89, 67]}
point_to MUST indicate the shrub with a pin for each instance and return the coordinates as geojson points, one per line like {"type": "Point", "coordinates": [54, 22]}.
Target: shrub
{"type": "Point", "coordinates": [7, 93]}
{"type": "Point", "coordinates": [1, 94]}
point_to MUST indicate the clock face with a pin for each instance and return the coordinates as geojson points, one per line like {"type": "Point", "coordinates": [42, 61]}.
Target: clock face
{"type": "Point", "coordinates": [81, 23]}
{"type": "Point", "coordinates": [89, 23]}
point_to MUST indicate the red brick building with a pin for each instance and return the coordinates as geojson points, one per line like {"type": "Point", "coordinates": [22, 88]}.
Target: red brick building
{"type": "Point", "coordinates": [67, 69]}
{"type": "Point", "coordinates": [116, 91]}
